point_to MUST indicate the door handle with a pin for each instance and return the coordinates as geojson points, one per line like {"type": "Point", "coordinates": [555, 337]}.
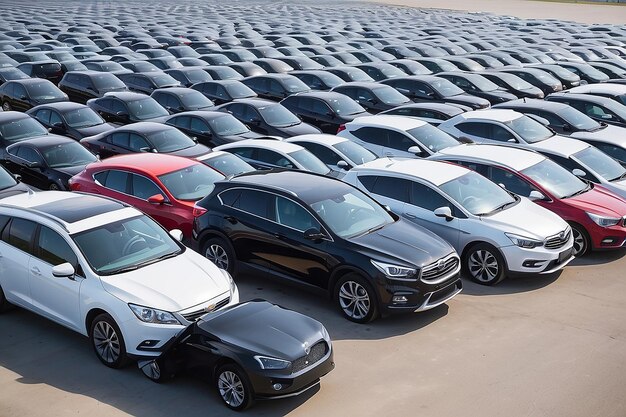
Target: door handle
{"type": "Point", "coordinates": [35, 270]}
{"type": "Point", "coordinates": [279, 236]}
{"type": "Point", "coordinates": [410, 215]}
{"type": "Point", "coordinates": [230, 219]}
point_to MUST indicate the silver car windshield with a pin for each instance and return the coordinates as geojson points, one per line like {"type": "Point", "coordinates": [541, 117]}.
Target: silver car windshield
{"type": "Point", "coordinates": [477, 194]}
{"type": "Point", "coordinates": [528, 129]}
{"type": "Point", "coordinates": [554, 178]}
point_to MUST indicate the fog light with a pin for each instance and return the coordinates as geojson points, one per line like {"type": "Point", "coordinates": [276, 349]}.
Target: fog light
{"type": "Point", "coordinates": [532, 263]}
{"type": "Point", "coordinates": [399, 299]}
{"type": "Point", "coordinates": [608, 241]}
{"type": "Point", "coordinates": [277, 387]}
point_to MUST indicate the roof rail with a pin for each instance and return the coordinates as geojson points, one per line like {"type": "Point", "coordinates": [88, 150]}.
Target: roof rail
{"type": "Point", "coordinates": [39, 213]}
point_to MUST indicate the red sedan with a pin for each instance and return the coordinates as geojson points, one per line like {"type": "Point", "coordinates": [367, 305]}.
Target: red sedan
{"type": "Point", "coordinates": [165, 187]}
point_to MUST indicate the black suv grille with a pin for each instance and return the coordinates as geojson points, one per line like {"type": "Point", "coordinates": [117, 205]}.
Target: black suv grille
{"type": "Point", "coordinates": [555, 242]}
{"type": "Point", "coordinates": [318, 351]}
{"type": "Point", "coordinates": [435, 271]}
{"type": "Point", "coordinates": [193, 316]}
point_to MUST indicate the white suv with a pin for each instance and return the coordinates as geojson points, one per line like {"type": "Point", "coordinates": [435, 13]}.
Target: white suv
{"type": "Point", "coordinates": [105, 270]}
{"type": "Point", "coordinates": [496, 232]}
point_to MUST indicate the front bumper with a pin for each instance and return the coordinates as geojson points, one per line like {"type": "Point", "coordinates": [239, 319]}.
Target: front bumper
{"type": "Point", "coordinates": [420, 298]}
{"type": "Point", "coordinates": [522, 261]}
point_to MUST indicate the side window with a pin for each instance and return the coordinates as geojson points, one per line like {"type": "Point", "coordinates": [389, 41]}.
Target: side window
{"type": "Point", "coordinates": [254, 202]}
{"type": "Point", "coordinates": [19, 234]}
{"type": "Point", "coordinates": [319, 107]}
{"type": "Point", "coordinates": [43, 116]}
{"type": "Point", "coordinates": [399, 141]}
{"type": "Point", "coordinates": [117, 181]}
{"type": "Point", "coordinates": [250, 114]}
{"type": "Point", "coordinates": [106, 104]}
{"type": "Point", "coordinates": [143, 188]}
{"type": "Point", "coordinates": [237, 110]}
{"type": "Point", "coordinates": [427, 198]}
{"type": "Point", "coordinates": [500, 134]}
{"type": "Point", "coordinates": [172, 101]}
{"type": "Point", "coordinates": [552, 119]}
{"type": "Point", "coordinates": [9, 89]}
{"type": "Point", "coordinates": [117, 106]}
{"type": "Point", "coordinates": [221, 92]}
{"type": "Point", "coordinates": [209, 89]}
{"type": "Point", "coordinates": [198, 125]}
{"type": "Point", "coordinates": [137, 143]}
{"type": "Point", "coordinates": [29, 154]}
{"type": "Point", "coordinates": [119, 139]}
{"type": "Point", "coordinates": [229, 197]}
{"type": "Point", "coordinates": [598, 112]}
{"type": "Point", "coordinates": [474, 128]}
{"type": "Point", "coordinates": [276, 87]}
{"type": "Point", "coordinates": [423, 89]}
{"type": "Point", "coordinates": [373, 135]}
{"type": "Point", "coordinates": [350, 92]}
{"type": "Point", "coordinates": [101, 177]}
{"type": "Point", "coordinates": [571, 165]}
{"type": "Point", "coordinates": [394, 188]}
{"type": "Point", "coordinates": [322, 152]}
{"type": "Point", "coordinates": [368, 181]}
{"type": "Point", "coordinates": [364, 95]}
{"type": "Point", "coordinates": [55, 118]}
{"type": "Point", "coordinates": [19, 92]}
{"type": "Point", "coordinates": [510, 181]}
{"type": "Point", "coordinates": [53, 249]}
{"type": "Point", "coordinates": [243, 152]}
{"type": "Point", "coordinates": [291, 214]}
{"type": "Point", "coordinates": [273, 158]}
{"type": "Point", "coordinates": [183, 122]}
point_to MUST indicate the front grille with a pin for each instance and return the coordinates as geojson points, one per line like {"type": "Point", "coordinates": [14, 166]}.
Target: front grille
{"type": "Point", "coordinates": [195, 315]}
{"type": "Point", "coordinates": [556, 241]}
{"type": "Point", "coordinates": [318, 351]}
{"type": "Point", "coordinates": [434, 272]}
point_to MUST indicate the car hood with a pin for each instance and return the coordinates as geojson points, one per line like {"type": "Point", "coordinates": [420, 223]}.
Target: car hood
{"type": "Point", "coordinates": [73, 170]}
{"type": "Point", "coordinates": [192, 151]}
{"type": "Point", "coordinates": [264, 328]}
{"type": "Point", "coordinates": [299, 129]}
{"type": "Point", "coordinates": [599, 200]}
{"type": "Point", "coordinates": [610, 134]}
{"type": "Point", "coordinates": [405, 241]}
{"type": "Point", "coordinates": [95, 130]}
{"type": "Point", "coordinates": [171, 285]}
{"type": "Point", "coordinates": [468, 100]}
{"type": "Point", "coordinates": [527, 219]}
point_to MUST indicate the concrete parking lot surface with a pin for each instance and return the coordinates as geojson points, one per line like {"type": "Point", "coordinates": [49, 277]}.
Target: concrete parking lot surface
{"type": "Point", "coordinates": [542, 346]}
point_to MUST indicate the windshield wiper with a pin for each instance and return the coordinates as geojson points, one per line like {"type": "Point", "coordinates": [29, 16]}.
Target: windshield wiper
{"type": "Point", "coordinates": [142, 264]}
{"type": "Point", "coordinates": [373, 229]}
{"type": "Point", "coordinates": [579, 192]}
{"type": "Point", "coordinates": [621, 177]}
{"type": "Point", "coordinates": [499, 208]}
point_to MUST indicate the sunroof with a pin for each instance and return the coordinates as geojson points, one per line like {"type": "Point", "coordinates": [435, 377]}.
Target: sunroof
{"type": "Point", "coordinates": [71, 210]}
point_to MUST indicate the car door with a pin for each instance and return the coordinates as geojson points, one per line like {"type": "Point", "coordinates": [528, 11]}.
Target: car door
{"type": "Point", "coordinates": [20, 98]}
{"type": "Point", "coordinates": [30, 165]}
{"type": "Point", "coordinates": [389, 191]}
{"type": "Point", "coordinates": [398, 144]}
{"type": "Point", "coordinates": [372, 138]}
{"type": "Point", "coordinates": [55, 298]}
{"type": "Point", "coordinates": [168, 214]}
{"type": "Point", "coordinates": [291, 255]}
{"type": "Point", "coordinates": [56, 123]}
{"type": "Point", "coordinates": [15, 253]}
{"type": "Point", "coordinates": [476, 131]}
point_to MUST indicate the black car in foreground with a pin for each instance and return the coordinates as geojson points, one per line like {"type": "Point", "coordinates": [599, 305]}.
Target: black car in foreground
{"type": "Point", "coordinates": [253, 350]}
{"type": "Point", "coordinates": [325, 234]}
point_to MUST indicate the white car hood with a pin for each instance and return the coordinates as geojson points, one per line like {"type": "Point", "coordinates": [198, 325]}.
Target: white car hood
{"type": "Point", "coordinates": [610, 134]}
{"type": "Point", "coordinates": [171, 285]}
{"type": "Point", "coordinates": [527, 219]}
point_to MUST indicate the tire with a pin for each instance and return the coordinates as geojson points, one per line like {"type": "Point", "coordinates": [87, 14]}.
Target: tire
{"type": "Point", "coordinates": [108, 342]}
{"type": "Point", "coordinates": [356, 299]}
{"type": "Point", "coordinates": [218, 251]}
{"type": "Point", "coordinates": [6, 107]}
{"type": "Point", "coordinates": [234, 388]}
{"type": "Point", "coordinates": [157, 371]}
{"type": "Point", "coordinates": [54, 187]}
{"type": "Point", "coordinates": [484, 264]}
{"type": "Point", "coordinates": [581, 241]}
{"type": "Point", "coordinates": [4, 304]}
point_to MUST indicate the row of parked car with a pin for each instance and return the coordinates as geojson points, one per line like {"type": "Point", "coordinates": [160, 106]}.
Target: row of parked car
{"type": "Point", "coordinates": [376, 158]}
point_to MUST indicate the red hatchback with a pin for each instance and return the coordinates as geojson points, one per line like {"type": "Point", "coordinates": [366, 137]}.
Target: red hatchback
{"type": "Point", "coordinates": [596, 215]}
{"type": "Point", "coordinates": [165, 187]}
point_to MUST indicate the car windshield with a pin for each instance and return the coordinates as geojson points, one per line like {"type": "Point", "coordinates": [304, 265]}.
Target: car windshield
{"type": "Point", "coordinates": [111, 66]}
{"type": "Point", "coordinates": [433, 138]}
{"type": "Point", "coordinates": [146, 108]}
{"type": "Point", "coordinates": [350, 213]}
{"type": "Point", "coordinates": [309, 161]}
{"type": "Point", "coordinates": [392, 72]}
{"type": "Point", "coordinates": [26, 127]}
{"type": "Point", "coordinates": [170, 140]}
{"type": "Point", "coordinates": [354, 152]}
{"type": "Point", "coordinates": [277, 115]}
{"type": "Point", "coordinates": [602, 164]}
{"type": "Point", "coordinates": [528, 129]}
{"type": "Point", "coordinates": [227, 125]}
{"type": "Point", "coordinates": [514, 81]}
{"type": "Point", "coordinates": [192, 183]}
{"type": "Point", "coordinates": [195, 100]}
{"type": "Point", "coordinates": [6, 179]}
{"type": "Point", "coordinates": [12, 74]}
{"type": "Point", "coordinates": [239, 90]}
{"type": "Point", "coordinates": [294, 85]}
{"type": "Point", "coordinates": [390, 95]}
{"type": "Point", "coordinates": [125, 245]}
{"type": "Point", "coordinates": [228, 164]}
{"type": "Point", "coordinates": [345, 106]}
{"type": "Point", "coordinates": [83, 117]}
{"type": "Point", "coordinates": [164, 80]}
{"type": "Point", "coordinates": [67, 154]}
{"type": "Point", "coordinates": [330, 79]}
{"type": "Point", "coordinates": [578, 119]}
{"type": "Point", "coordinates": [197, 76]}
{"type": "Point", "coordinates": [621, 98]}
{"type": "Point", "coordinates": [357, 74]}
{"type": "Point", "coordinates": [44, 90]}
{"type": "Point", "coordinates": [105, 81]}
{"type": "Point", "coordinates": [554, 178]}
{"type": "Point", "coordinates": [145, 67]}
{"type": "Point", "coordinates": [563, 73]}
{"type": "Point", "coordinates": [477, 194]}
{"type": "Point", "coordinates": [445, 88]}
{"type": "Point", "coordinates": [482, 83]}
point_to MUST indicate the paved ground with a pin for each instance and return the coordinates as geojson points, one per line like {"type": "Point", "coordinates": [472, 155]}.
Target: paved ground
{"type": "Point", "coordinates": [585, 13]}
{"type": "Point", "coordinates": [549, 346]}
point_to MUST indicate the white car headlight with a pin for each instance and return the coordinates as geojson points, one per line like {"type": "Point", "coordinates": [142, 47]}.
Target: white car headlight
{"type": "Point", "coordinates": [271, 363]}
{"type": "Point", "coordinates": [395, 271]}
{"type": "Point", "coordinates": [152, 315]}
{"type": "Point", "coordinates": [603, 221]}
{"type": "Point", "coordinates": [523, 241]}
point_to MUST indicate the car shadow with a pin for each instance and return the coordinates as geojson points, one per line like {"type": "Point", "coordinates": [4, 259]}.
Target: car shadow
{"type": "Point", "coordinates": [598, 258]}
{"type": "Point", "coordinates": [510, 285]}
{"type": "Point", "coordinates": [40, 352]}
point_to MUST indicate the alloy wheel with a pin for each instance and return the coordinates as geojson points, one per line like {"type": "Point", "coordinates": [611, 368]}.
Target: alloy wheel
{"type": "Point", "coordinates": [216, 254]}
{"type": "Point", "coordinates": [106, 342]}
{"type": "Point", "coordinates": [580, 245]}
{"type": "Point", "coordinates": [231, 388]}
{"type": "Point", "coordinates": [483, 266]}
{"type": "Point", "coordinates": [354, 300]}
{"type": "Point", "coordinates": [152, 370]}
{"type": "Point", "coordinates": [6, 107]}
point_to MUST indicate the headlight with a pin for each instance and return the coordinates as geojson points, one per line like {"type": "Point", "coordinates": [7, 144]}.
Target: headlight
{"type": "Point", "coordinates": [271, 363]}
{"type": "Point", "coordinates": [523, 241]}
{"type": "Point", "coordinates": [603, 221]}
{"type": "Point", "coordinates": [152, 315]}
{"type": "Point", "coordinates": [231, 281]}
{"type": "Point", "coordinates": [395, 271]}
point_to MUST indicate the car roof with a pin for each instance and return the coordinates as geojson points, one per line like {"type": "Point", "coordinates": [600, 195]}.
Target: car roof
{"type": "Point", "coordinates": [384, 120]}
{"type": "Point", "coordinates": [498, 115]}
{"type": "Point", "coordinates": [517, 159]}
{"type": "Point", "coordinates": [604, 88]}
{"type": "Point", "coordinates": [435, 172]}
{"type": "Point", "coordinates": [203, 114]}
{"type": "Point", "coordinates": [584, 97]}
{"type": "Point", "coordinates": [125, 95]}
{"type": "Point", "coordinates": [371, 85]}
{"type": "Point", "coordinates": [7, 116]}
{"type": "Point", "coordinates": [145, 127]}
{"type": "Point", "coordinates": [43, 141]}
{"type": "Point", "coordinates": [533, 103]}
{"type": "Point", "coordinates": [61, 106]}
{"type": "Point", "coordinates": [177, 90]}
{"type": "Point", "coordinates": [318, 138]}
{"type": "Point", "coordinates": [277, 145]}
{"type": "Point", "coordinates": [154, 163]}
{"type": "Point", "coordinates": [75, 212]}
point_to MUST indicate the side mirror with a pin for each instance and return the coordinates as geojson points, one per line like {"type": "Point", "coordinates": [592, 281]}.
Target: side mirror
{"type": "Point", "coordinates": [24, 98]}
{"type": "Point", "coordinates": [156, 199]}
{"type": "Point", "coordinates": [444, 212]}
{"type": "Point", "coordinates": [416, 150]}
{"type": "Point", "coordinates": [206, 133]}
{"type": "Point", "coordinates": [584, 82]}
{"type": "Point", "coordinates": [17, 177]}
{"type": "Point", "coordinates": [512, 140]}
{"type": "Point", "coordinates": [195, 139]}
{"type": "Point", "coordinates": [35, 164]}
{"type": "Point", "coordinates": [65, 270]}
{"type": "Point", "coordinates": [566, 128]}
{"type": "Point", "coordinates": [386, 207]}
{"type": "Point", "coordinates": [177, 234]}
{"type": "Point", "coordinates": [343, 165]}
{"type": "Point", "coordinates": [58, 125]}
{"type": "Point", "coordinates": [313, 234]}
{"type": "Point", "coordinates": [145, 149]}
{"type": "Point", "coordinates": [536, 195]}
{"type": "Point", "coordinates": [465, 140]}
{"type": "Point", "coordinates": [579, 172]}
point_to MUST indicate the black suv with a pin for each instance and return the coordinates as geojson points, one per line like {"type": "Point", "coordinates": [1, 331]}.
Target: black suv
{"type": "Point", "coordinates": [325, 234]}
